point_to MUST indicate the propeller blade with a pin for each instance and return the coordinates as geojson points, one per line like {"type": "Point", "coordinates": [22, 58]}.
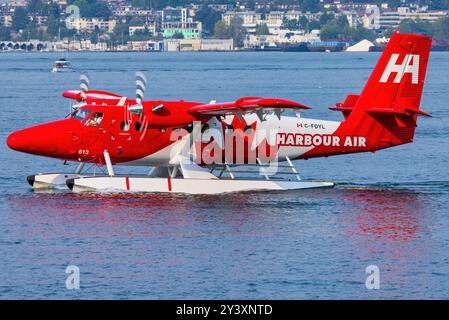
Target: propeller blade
{"type": "Point", "coordinates": [84, 82]}
{"type": "Point", "coordinates": [141, 86]}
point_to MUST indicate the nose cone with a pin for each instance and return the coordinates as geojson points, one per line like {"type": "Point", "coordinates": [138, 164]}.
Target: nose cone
{"type": "Point", "coordinates": [18, 141]}
{"type": "Point", "coordinates": [40, 140]}
{"type": "Point", "coordinates": [11, 141]}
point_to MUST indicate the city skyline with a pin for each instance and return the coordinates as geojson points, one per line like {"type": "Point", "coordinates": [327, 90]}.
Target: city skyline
{"type": "Point", "coordinates": [121, 24]}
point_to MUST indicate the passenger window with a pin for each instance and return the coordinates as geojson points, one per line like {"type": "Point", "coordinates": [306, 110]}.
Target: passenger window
{"type": "Point", "coordinates": [95, 120]}
{"type": "Point", "coordinates": [229, 128]}
{"type": "Point", "coordinates": [248, 129]}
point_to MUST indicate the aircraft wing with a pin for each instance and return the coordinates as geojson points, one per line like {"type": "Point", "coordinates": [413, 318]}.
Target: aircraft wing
{"type": "Point", "coordinates": [94, 96]}
{"type": "Point", "coordinates": [246, 105]}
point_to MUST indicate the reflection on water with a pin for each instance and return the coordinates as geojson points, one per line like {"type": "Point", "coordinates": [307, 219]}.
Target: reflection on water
{"type": "Point", "coordinates": [131, 214]}
{"type": "Point", "coordinates": [259, 240]}
{"type": "Point", "coordinates": [385, 213]}
{"type": "Point", "coordinates": [389, 228]}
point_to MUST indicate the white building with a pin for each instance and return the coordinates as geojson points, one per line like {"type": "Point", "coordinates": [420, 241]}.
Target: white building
{"type": "Point", "coordinates": [392, 19]}
{"type": "Point", "coordinates": [250, 19]}
{"type": "Point", "coordinates": [217, 45]}
{"type": "Point", "coordinates": [280, 37]}
{"type": "Point", "coordinates": [90, 24]}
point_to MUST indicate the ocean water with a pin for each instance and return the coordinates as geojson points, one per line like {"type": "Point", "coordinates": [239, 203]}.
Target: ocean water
{"type": "Point", "coordinates": [389, 209]}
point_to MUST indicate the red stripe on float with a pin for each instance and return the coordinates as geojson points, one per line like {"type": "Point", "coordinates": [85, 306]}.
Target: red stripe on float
{"type": "Point", "coordinates": [127, 183]}
{"type": "Point", "coordinates": [169, 184]}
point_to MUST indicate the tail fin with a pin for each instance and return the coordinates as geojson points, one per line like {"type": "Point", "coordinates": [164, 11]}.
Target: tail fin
{"type": "Point", "coordinates": [386, 110]}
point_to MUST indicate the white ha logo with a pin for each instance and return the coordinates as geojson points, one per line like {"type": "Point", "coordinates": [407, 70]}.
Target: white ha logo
{"type": "Point", "coordinates": [409, 65]}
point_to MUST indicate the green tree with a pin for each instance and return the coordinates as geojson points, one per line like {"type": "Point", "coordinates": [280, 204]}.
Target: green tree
{"type": "Point", "coordinates": [19, 19]}
{"type": "Point", "coordinates": [234, 30]}
{"type": "Point", "coordinates": [393, 4]}
{"type": "Point", "coordinates": [83, 5]}
{"type": "Point", "coordinates": [314, 25]}
{"type": "Point", "coordinates": [93, 9]}
{"type": "Point", "coordinates": [52, 26]}
{"type": "Point", "coordinates": [439, 4]}
{"type": "Point", "coordinates": [121, 33]}
{"type": "Point", "coordinates": [140, 3]}
{"type": "Point", "coordinates": [292, 24]}
{"type": "Point", "coordinates": [262, 29]}
{"type": "Point", "coordinates": [54, 10]}
{"type": "Point", "coordinates": [360, 34]}
{"type": "Point", "coordinates": [37, 7]}
{"type": "Point", "coordinates": [5, 33]}
{"type": "Point", "coordinates": [237, 31]}
{"type": "Point", "coordinates": [415, 26]}
{"type": "Point", "coordinates": [100, 10]}
{"type": "Point", "coordinates": [440, 29]}
{"type": "Point", "coordinates": [221, 30]}
{"type": "Point", "coordinates": [309, 5]}
{"type": "Point", "coordinates": [325, 18]}
{"type": "Point", "coordinates": [208, 17]}
{"type": "Point", "coordinates": [304, 23]}
{"type": "Point", "coordinates": [335, 29]}
{"type": "Point", "coordinates": [338, 28]}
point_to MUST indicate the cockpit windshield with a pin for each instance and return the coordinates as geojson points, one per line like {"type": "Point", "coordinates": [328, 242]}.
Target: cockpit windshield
{"type": "Point", "coordinates": [81, 114]}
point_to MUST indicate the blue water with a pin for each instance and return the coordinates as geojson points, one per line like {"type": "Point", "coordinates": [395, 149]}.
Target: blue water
{"type": "Point", "coordinates": [389, 209]}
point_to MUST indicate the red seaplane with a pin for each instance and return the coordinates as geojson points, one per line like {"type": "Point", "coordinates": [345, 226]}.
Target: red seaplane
{"type": "Point", "coordinates": [199, 148]}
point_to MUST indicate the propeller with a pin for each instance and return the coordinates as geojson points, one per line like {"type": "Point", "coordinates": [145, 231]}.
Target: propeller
{"type": "Point", "coordinates": [141, 86]}
{"type": "Point", "coordinates": [84, 86]}
{"type": "Point", "coordinates": [84, 82]}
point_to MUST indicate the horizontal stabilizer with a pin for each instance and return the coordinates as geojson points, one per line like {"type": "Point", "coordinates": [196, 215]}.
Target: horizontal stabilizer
{"type": "Point", "coordinates": [347, 106]}
{"type": "Point", "coordinates": [404, 111]}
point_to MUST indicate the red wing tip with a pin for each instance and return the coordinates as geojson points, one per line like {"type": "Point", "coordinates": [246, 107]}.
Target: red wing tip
{"type": "Point", "coordinates": [70, 94]}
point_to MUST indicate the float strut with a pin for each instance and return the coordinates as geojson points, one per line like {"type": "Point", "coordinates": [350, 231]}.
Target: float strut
{"type": "Point", "coordinates": [107, 159]}
{"type": "Point", "coordinates": [80, 168]}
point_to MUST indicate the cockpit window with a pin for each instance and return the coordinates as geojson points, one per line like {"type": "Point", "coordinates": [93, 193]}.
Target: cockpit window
{"type": "Point", "coordinates": [81, 114]}
{"type": "Point", "coordinates": [95, 120]}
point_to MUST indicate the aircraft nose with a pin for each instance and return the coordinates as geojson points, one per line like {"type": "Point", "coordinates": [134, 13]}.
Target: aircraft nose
{"type": "Point", "coordinates": [15, 141]}
{"type": "Point", "coordinates": [38, 140]}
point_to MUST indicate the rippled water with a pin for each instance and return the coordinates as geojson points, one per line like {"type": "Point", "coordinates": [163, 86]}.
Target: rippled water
{"type": "Point", "coordinates": [389, 209]}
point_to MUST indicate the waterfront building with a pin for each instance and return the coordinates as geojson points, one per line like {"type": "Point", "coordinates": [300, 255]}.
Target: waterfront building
{"type": "Point", "coordinates": [171, 45]}
{"type": "Point", "coordinates": [189, 30]}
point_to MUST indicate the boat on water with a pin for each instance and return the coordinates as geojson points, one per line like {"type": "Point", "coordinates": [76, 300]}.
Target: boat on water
{"type": "Point", "coordinates": [62, 65]}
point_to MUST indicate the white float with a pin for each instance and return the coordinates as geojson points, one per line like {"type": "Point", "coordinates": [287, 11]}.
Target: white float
{"type": "Point", "coordinates": [185, 185]}
{"type": "Point", "coordinates": [50, 180]}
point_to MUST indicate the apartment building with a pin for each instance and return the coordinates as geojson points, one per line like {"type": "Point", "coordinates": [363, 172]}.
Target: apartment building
{"type": "Point", "coordinates": [393, 19]}
{"type": "Point", "coordinates": [250, 19]}
{"type": "Point", "coordinates": [90, 24]}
